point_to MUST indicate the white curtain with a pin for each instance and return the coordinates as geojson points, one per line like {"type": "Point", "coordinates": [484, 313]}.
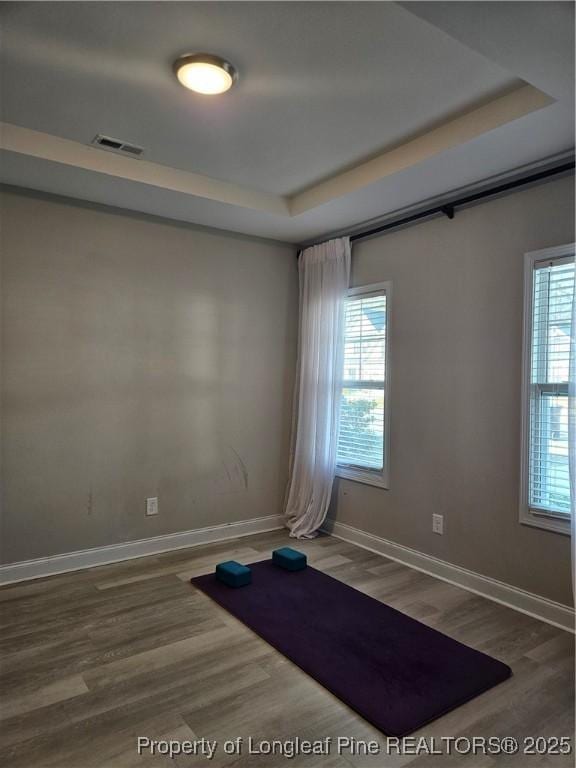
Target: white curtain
{"type": "Point", "coordinates": [324, 273]}
{"type": "Point", "coordinates": [572, 437]}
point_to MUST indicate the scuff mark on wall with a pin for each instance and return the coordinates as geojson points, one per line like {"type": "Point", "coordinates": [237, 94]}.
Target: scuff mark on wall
{"type": "Point", "coordinates": [241, 466]}
{"type": "Point", "coordinates": [227, 471]}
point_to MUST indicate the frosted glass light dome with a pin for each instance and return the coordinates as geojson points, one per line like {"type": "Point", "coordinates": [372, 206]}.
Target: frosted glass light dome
{"type": "Point", "coordinates": [205, 73]}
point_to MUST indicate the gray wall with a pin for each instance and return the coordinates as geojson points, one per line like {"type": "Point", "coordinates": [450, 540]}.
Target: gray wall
{"type": "Point", "coordinates": [456, 345]}
{"type": "Point", "coordinates": [141, 358]}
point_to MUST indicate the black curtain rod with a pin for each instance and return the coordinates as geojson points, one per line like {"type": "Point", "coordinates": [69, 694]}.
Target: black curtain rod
{"type": "Point", "coordinates": [448, 208]}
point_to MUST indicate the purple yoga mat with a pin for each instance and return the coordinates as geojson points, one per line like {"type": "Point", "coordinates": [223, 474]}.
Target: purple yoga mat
{"type": "Point", "coordinates": [397, 673]}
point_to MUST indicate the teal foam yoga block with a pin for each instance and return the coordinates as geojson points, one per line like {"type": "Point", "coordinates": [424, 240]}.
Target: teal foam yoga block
{"type": "Point", "coordinates": [289, 558]}
{"type": "Point", "coordinates": [233, 574]}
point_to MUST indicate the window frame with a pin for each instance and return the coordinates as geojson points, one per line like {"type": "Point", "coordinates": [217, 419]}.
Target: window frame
{"type": "Point", "coordinates": [377, 477]}
{"type": "Point", "coordinates": [537, 518]}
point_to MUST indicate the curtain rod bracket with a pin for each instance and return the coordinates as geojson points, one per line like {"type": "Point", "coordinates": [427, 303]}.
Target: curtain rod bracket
{"type": "Point", "coordinates": [448, 209]}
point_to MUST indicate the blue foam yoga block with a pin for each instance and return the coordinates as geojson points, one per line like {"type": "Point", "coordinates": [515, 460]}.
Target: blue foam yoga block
{"type": "Point", "coordinates": [289, 558]}
{"type": "Point", "coordinates": [233, 574]}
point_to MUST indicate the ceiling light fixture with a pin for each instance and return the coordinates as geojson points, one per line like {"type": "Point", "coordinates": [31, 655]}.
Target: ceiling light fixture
{"type": "Point", "coordinates": [205, 73]}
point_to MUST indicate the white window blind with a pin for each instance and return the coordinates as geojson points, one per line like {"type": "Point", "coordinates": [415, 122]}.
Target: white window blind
{"type": "Point", "coordinates": [552, 297]}
{"type": "Point", "coordinates": [363, 405]}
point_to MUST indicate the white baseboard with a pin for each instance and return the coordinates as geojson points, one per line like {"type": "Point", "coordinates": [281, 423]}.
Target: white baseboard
{"type": "Point", "coordinates": [526, 602]}
{"type": "Point", "coordinates": [114, 553]}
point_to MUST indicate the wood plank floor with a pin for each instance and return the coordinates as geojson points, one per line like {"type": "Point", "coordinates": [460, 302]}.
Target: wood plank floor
{"type": "Point", "coordinates": [92, 660]}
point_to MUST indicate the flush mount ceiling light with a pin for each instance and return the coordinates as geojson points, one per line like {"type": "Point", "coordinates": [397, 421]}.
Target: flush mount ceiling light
{"type": "Point", "coordinates": [205, 73]}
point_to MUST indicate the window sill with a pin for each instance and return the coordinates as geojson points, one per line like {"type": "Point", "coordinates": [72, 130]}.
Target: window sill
{"type": "Point", "coordinates": [365, 476]}
{"type": "Point", "coordinates": [546, 522]}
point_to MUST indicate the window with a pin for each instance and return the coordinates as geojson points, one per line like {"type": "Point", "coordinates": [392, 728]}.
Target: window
{"type": "Point", "coordinates": [549, 294]}
{"type": "Point", "coordinates": [364, 405]}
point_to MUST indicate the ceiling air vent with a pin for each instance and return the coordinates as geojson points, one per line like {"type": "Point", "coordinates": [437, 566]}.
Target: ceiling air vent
{"type": "Point", "coordinates": [115, 145]}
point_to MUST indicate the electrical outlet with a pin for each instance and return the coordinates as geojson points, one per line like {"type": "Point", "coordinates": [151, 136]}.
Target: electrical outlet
{"type": "Point", "coordinates": [152, 506]}
{"type": "Point", "coordinates": [438, 524]}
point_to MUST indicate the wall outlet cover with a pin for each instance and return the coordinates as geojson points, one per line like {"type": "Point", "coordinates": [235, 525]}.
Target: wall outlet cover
{"type": "Point", "coordinates": [152, 506]}
{"type": "Point", "coordinates": [438, 524]}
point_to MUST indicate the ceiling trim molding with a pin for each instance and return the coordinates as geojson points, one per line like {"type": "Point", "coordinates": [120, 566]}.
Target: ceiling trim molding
{"type": "Point", "coordinates": [15, 138]}
{"type": "Point", "coordinates": [521, 101]}
{"type": "Point", "coordinates": [446, 198]}
{"type": "Point", "coordinates": [499, 111]}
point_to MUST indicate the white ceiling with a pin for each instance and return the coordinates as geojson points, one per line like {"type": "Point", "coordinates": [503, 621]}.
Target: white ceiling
{"type": "Point", "coordinates": [324, 88]}
{"type": "Point", "coordinates": [322, 85]}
